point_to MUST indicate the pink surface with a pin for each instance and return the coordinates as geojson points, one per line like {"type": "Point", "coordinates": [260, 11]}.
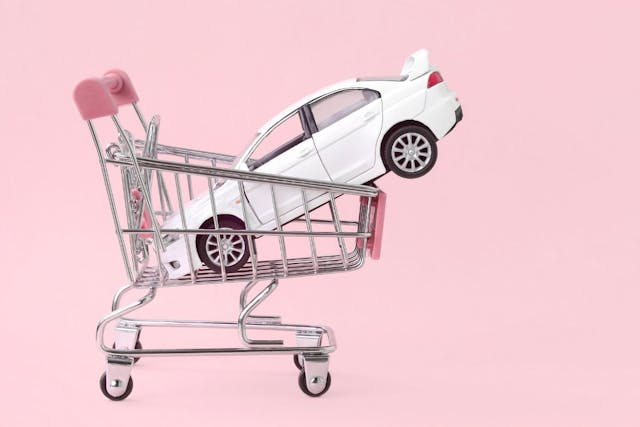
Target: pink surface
{"type": "Point", "coordinates": [508, 291]}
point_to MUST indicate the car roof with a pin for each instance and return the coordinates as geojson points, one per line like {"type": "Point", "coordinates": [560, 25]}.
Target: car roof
{"type": "Point", "coordinates": [345, 84]}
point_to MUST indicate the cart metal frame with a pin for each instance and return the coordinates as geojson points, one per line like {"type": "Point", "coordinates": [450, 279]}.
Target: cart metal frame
{"type": "Point", "coordinates": [145, 175]}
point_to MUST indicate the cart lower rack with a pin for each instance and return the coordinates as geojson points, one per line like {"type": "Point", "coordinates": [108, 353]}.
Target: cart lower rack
{"type": "Point", "coordinates": [188, 217]}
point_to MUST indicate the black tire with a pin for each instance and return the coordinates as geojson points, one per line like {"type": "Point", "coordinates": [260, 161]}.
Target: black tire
{"type": "Point", "coordinates": [103, 388]}
{"type": "Point", "coordinates": [302, 382]}
{"type": "Point", "coordinates": [208, 241]}
{"type": "Point", "coordinates": [138, 347]}
{"type": "Point", "coordinates": [418, 151]}
{"type": "Point", "coordinates": [296, 361]}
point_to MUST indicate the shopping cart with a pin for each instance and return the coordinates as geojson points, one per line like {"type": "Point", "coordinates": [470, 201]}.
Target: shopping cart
{"type": "Point", "coordinates": [147, 184]}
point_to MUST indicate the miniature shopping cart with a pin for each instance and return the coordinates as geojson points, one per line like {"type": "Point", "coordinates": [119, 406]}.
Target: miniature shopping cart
{"type": "Point", "coordinates": [147, 184]}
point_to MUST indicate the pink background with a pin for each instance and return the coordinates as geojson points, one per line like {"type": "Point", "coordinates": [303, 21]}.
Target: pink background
{"type": "Point", "coordinates": [507, 294]}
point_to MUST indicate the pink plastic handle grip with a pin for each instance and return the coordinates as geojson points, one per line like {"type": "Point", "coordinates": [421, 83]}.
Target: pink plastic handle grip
{"type": "Point", "coordinates": [119, 85]}
{"type": "Point", "coordinates": [93, 99]}
{"type": "Point", "coordinates": [96, 97]}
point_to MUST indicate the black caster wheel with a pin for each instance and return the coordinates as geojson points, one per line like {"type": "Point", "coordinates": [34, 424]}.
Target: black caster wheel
{"type": "Point", "coordinates": [138, 347]}
{"type": "Point", "coordinates": [103, 388]}
{"type": "Point", "coordinates": [302, 382]}
{"type": "Point", "coordinates": [297, 361]}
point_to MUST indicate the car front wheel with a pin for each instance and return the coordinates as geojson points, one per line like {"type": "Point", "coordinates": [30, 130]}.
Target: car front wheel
{"type": "Point", "coordinates": [410, 151]}
{"type": "Point", "coordinates": [230, 250]}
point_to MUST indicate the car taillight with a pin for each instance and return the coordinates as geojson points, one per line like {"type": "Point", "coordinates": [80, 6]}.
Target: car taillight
{"type": "Point", "coordinates": [434, 79]}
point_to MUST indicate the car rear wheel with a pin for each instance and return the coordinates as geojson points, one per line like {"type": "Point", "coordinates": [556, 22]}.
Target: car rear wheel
{"type": "Point", "coordinates": [230, 250]}
{"type": "Point", "coordinates": [410, 151]}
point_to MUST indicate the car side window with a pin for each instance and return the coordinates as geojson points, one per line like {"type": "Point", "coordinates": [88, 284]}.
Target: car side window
{"type": "Point", "coordinates": [284, 136]}
{"type": "Point", "coordinates": [330, 109]}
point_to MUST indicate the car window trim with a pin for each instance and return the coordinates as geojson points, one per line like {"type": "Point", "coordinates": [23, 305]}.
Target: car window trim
{"type": "Point", "coordinates": [306, 134]}
{"type": "Point", "coordinates": [309, 120]}
{"type": "Point", "coordinates": [278, 151]}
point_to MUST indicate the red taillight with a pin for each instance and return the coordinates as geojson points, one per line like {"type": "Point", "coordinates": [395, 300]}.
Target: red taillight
{"type": "Point", "coordinates": [434, 79]}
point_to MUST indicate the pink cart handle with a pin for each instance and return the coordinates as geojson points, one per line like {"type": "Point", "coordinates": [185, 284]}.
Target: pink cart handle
{"type": "Point", "coordinates": [101, 97]}
{"type": "Point", "coordinates": [374, 244]}
{"type": "Point", "coordinates": [376, 224]}
{"type": "Point", "coordinates": [120, 86]}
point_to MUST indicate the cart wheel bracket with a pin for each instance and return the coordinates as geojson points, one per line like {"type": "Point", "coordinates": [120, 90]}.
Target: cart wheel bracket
{"type": "Point", "coordinates": [118, 376]}
{"type": "Point", "coordinates": [315, 374]}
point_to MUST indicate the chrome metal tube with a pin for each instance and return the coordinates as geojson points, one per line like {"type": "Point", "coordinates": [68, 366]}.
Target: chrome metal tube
{"type": "Point", "coordinates": [283, 249]}
{"type": "Point", "coordinates": [195, 154]}
{"type": "Point", "coordinates": [358, 190]}
{"type": "Point", "coordinates": [183, 220]}
{"type": "Point", "coordinates": [346, 234]}
{"type": "Point", "coordinates": [216, 225]}
{"type": "Point", "coordinates": [245, 218]}
{"type": "Point", "coordinates": [118, 295]}
{"type": "Point", "coordinates": [140, 117]}
{"type": "Point", "coordinates": [112, 203]}
{"type": "Point", "coordinates": [312, 243]}
{"type": "Point", "coordinates": [145, 189]}
{"type": "Point", "coordinates": [249, 307]}
{"type": "Point", "coordinates": [126, 190]}
{"type": "Point", "coordinates": [119, 313]}
{"type": "Point", "coordinates": [336, 224]}
{"type": "Point", "coordinates": [189, 186]}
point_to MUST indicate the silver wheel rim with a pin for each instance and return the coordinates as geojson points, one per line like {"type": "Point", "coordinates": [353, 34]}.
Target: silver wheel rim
{"type": "Point", "coordinates": [411, 152]}
{"type": "Point", "coordinates": [230, 250]}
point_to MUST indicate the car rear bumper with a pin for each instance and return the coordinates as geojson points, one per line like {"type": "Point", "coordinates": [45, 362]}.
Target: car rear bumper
{"type": "Point", "coordinates": [176, 259]}
{"type": "Point", "coordinates": [442, 110]}
{"type": "Point", "coordinates": [458, 118]}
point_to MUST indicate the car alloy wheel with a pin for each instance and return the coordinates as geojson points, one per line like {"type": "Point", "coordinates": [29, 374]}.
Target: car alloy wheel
{"type": "Point", "coordinates": [228, 250]}
{"type": "Point", "coordinates": [410, 151]}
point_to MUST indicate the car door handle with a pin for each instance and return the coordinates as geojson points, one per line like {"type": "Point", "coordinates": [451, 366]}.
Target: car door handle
{"type": "Point", "coordinates": [369, 115]}
{"type": "Point", "coordinates": [305, 153]}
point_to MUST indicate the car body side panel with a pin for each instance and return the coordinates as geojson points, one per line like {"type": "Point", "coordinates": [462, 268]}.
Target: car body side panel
{"type": "Point", "coordinates": [197, 212]}
{"type": "Point", "coordinates": [404, 103]}
{"type": "Point", "coordinates": [439, 114]}
{"type": "Point", "coordinates": [412, 101]}
{"type": "Point", "coordinates": [347, 147]}
{"type": "Point", "coordinates": [301, 161]}
{"type": "Point", "coordinates": [401, 100]}
{"type": "Point", "coordinates": [319, 199]}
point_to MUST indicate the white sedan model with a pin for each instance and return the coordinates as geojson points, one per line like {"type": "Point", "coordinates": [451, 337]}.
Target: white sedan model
{"type": "Point", "coordinates": [351, 132]}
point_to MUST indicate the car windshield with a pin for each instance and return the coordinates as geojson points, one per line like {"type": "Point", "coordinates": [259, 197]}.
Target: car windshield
{"type": "Point", "coordinates": [285, 135]}
{"type": "Point", "coordinates": [244, 157]}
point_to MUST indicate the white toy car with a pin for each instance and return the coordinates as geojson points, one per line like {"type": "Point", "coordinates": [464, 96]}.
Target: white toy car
{"type": "Point", "coordinates": [351, 132]}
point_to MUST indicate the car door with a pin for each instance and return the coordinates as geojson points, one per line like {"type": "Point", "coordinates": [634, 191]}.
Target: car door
{"type": "Point", "coordinates": [287, 149]}
{"type": "Point", "coordinates": [348, 125]}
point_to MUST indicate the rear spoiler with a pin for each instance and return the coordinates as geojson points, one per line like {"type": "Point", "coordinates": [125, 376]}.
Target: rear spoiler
{"type": "Point", "coordinates": [416, 65]}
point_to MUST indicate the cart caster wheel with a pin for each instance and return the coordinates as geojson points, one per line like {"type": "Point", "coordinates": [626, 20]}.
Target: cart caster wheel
{"type": "Point", "coordinates": [103, 388]}
{"type": "Point", "coordinates": [138, 347]}
{"type": "Point", "coordinates": [302, 382]}
{"type": "Point", "coordinates": [298, 361]}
